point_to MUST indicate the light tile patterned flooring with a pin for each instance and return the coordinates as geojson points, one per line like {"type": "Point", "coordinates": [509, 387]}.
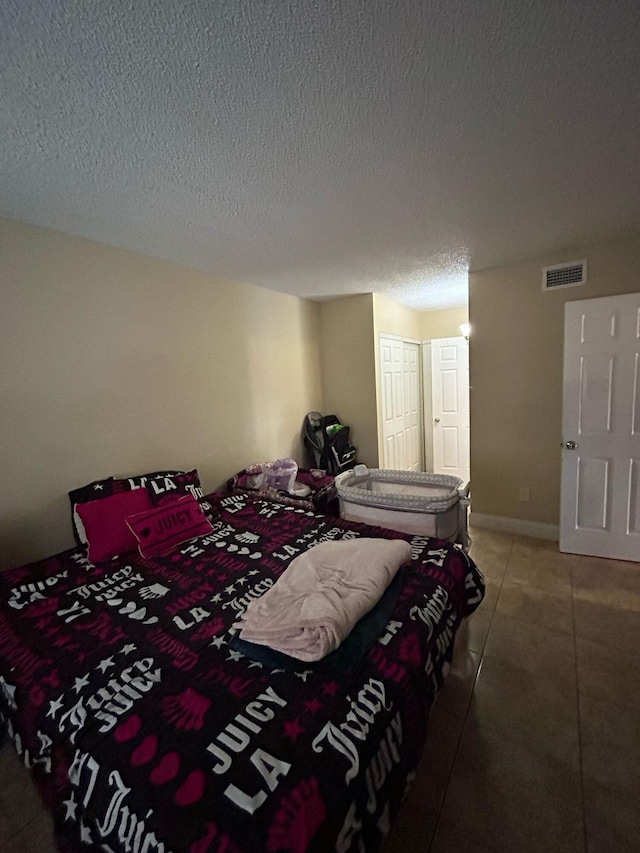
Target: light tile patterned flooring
{"type": "Point", "coordinates": [534, 743]}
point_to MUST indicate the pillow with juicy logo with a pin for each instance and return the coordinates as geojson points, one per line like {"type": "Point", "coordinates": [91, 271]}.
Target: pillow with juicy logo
{"type": "Point", "coordinates": [156, 483]}
{"type": "Point", "coordinates": [160, 529]}
{"type": "Point", "coordinates": [104, 523]}
{"type": "Point", "coordinates": [177, 487]}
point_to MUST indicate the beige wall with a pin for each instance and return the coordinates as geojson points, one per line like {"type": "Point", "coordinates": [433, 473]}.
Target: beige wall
{"type": "Point", "coordinates": [392, 318]}
{"type": "Point", "coordinates": [115, 363]}
{"type": "Point", "coordinates": [348, 369]}
{"type": "Point", "coordinates": [442, 324]}
{"type": "Point", "coordinates": [516, 352]}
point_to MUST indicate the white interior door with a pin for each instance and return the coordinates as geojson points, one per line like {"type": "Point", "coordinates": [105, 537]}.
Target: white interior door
{"type": "Point", "coordinates": [600, 505]}
{"type": "Point", "coordinates": [400, 402]}
{"type": "Point", "coordinates": [450, 406]}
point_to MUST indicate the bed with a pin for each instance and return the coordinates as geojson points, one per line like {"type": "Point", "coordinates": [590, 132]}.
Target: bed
{"type": "Point", "coordinates": [146, 729]}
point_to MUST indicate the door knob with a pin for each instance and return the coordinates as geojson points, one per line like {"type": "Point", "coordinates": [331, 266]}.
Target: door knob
{"type": "Point", "coordinates": [570, 445]}
{"type": "Point", "coordinates": [436, 420]}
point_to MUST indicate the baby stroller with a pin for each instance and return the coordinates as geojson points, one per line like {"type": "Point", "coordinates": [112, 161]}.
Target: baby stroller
{"type": "Point", "coordinates": [328, 444]}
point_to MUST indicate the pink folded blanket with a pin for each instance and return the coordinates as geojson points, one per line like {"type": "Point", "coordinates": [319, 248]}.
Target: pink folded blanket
{"type": "Point", "coordinates": [315, 603]}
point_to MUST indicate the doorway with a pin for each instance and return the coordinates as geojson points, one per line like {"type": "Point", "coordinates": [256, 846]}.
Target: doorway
{"type": "Point", "coordinates": [446, 406]}
{"type": "Point", "coordinates": [424, 405]}
{"type": "Point", "coordinates": [600, 483]}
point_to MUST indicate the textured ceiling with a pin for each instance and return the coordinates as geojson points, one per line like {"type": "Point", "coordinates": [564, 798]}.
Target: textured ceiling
{"type": "Point", "coordinates": [322, 147]}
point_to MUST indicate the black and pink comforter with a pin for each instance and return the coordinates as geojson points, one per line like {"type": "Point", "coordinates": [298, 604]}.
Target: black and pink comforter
{"type": "Point", "coordinates": [147, 731]}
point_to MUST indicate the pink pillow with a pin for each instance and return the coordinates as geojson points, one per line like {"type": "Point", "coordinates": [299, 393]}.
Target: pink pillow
{"type": "Point", "coordinates": [160, 529]}
{"type": "Point", "coordinates": [105, 523]}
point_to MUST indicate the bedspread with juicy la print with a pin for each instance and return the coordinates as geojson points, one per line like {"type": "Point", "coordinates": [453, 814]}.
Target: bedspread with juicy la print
{"type": "Point", "coordinates": [147, 732]}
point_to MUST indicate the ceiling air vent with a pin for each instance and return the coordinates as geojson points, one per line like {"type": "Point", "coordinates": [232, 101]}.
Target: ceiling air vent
{"type": "Point", "coordinates": [564, 275]}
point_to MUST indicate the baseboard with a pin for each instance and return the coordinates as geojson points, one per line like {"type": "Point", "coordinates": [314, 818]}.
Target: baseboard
{"type": "Point", "coordinates": [515, 525]}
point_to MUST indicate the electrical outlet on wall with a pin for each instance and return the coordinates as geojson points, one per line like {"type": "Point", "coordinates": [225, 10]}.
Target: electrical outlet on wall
{"type": "Point", "coordinates": [524, 493]}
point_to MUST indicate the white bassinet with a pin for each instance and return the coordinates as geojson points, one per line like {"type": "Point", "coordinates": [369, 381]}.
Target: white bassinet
{"type": "Point", "coordinates": [413, 502]}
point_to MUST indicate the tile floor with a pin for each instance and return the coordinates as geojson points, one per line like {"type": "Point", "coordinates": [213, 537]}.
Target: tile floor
{"type": "Point", "coordinates": [534, 743]}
